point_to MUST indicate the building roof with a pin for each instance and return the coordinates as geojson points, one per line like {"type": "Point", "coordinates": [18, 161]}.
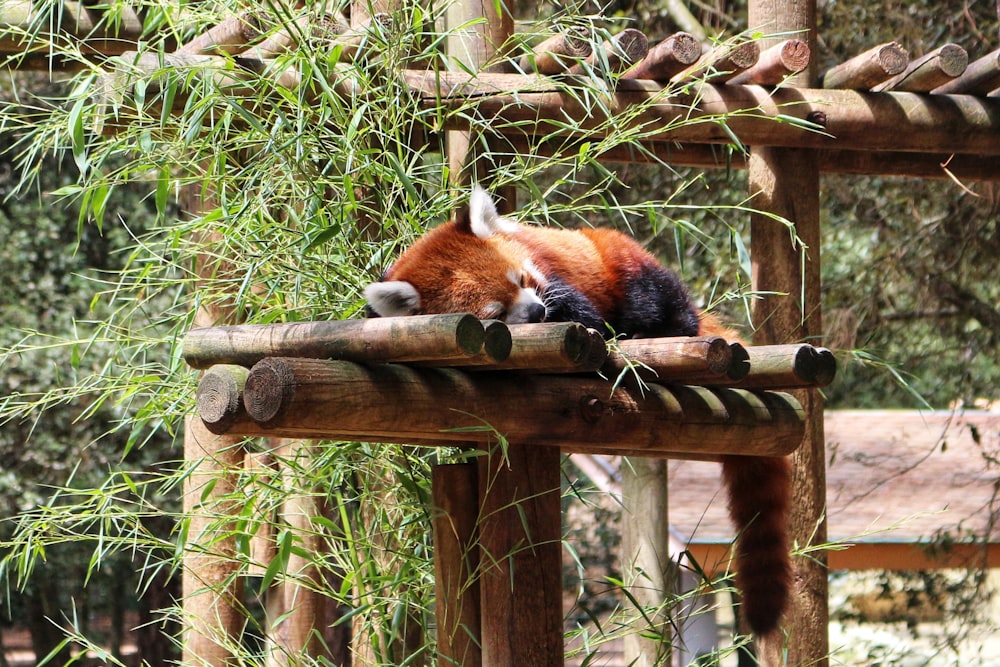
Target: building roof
{"type": "Point", "coordinates": [895, 479]}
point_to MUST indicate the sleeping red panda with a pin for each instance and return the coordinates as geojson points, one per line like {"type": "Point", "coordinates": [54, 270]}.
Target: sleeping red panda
{"type": "Point", "coordinates": [495, 268]}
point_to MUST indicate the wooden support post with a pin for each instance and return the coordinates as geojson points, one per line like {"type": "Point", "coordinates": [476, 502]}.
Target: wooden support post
{"type": "Point", "coordinates": [212, 591]}
{"type": "Point", "coordinates": [647, 569]}
{"type": "Point", "coordinates": [520, 557]}
{"type": "Point", "coordinates": [785, 182]}
{"type": "Point", "coordinates": [455, 489]}
{"type": "Point", "coordinates": [296, 636]}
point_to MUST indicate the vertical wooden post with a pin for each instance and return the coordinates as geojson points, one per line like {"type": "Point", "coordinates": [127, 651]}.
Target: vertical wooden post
{"type": "Point", "coordinates": [212, 591]}
{"type": "Point", "coordinates": [520, 537]}
{"type": "Point", "coordinates": [786, 182]}
{"type": "Point", "coordinates": [455, 489]}
{"type": "Point", "coordinates": [647, 569]}
{"type": "Point", "coordinates": [297, 633]}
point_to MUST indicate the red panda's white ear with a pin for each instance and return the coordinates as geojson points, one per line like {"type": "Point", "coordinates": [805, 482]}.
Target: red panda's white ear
{"type": "Point", "coordinates": [482, 213]}
{"type": "Point", "coordinates": [393, 298]}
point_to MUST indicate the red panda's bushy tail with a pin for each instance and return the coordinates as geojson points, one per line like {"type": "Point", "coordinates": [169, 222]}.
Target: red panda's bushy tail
{"type": "Point", "coordinates": [759, 496]}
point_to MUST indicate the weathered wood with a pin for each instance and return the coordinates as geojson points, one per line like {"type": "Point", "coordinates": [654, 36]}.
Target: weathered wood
{"type": "Point", "coordinates": [667, 58]}
{"type": "Point", "coordinates": [868, 69]}
{"type": "Point", "coordinates": [340, 400]}
{"type": "Point", "coordinates": [233, 35]}
{"type": "Point", "coordinates": [558, 347]}
{"type": "Point", "coordinates": [455, 490]}
{"type": "Point", "coordinates": [647, 569]}
{"type": "Point", "coordinates": [442, 339]}
{"type": "Point", "coordinates": [84, 24]}
{"type": "Point", "coordinates": [934, 69]}
{"type": "Point", "coordinates": [670, 359]}
{"type": "Point", "coordinates": [219, 399]}
{"type": "Point", "coordinates": [776, 64]}
{"type": "Point", "coordinates": [287, 38]}
{"type": "Point", "coordinates": [784, 367]}
{"type": "Point", "coordinates": [849, 119]}
{"type": "Point", "coordinates": [212, 594]}
{"type": "Point", "coordinates": [557, 53]}
{"type": "Point", "coordinates": [980, 77]}
{"type": "Point", "coordinates": [617, 54]}
{"type": "Point", "coordinates": [520, 538]}
{"type": "Point", "coordinates": [721, 63]}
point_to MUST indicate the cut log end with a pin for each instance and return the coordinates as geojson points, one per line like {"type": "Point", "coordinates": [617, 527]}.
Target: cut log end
{"type": "Point", "coordinates": [220, 396]}
{"type": "Point", "coordinates": [270, 385]}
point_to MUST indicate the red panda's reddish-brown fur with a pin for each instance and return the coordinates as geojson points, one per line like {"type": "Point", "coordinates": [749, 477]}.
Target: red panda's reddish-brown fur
{"type": "Point", "coordinates": [494, 268]}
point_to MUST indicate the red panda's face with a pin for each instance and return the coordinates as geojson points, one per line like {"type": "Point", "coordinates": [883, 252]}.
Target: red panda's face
{"type": "Point", "coordinates": [472, 265]}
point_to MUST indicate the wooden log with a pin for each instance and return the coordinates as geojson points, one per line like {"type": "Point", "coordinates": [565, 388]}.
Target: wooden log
{"type": "Point", "coordinates": [557, 53]}
{"type": "Point", "coordinates": [667, 58]}
{"type": "Point", "coordinates": [930, 71]}
{"type": "Point", "coordinates": [558, 347]}
{"type": "Point", "coordinates": [341, 400]}
{"type": "Point", "coordinates": [670, 359]}
{"type": "Point", "coordinates": [520, 540]}
{"type": "Point", "coordinates": [785, 367]}
{"type": "Point", "coordinates": [900, 122]}
{"type": "Point", "coordinates": [617, 54]}
{"type": "Point", "coordinates": [455, 491]}
{"type": "Point", "coordinates": [287, 38]}
{"type": "Point", "coordinates": [86, 26]}
{"type": "Point", "coordinates": [233, 35]}
{"type": "Point", "coordinates": [219, 399]}
{"type": "Point", "coordinates": [980, 77]}
{"type": "Point", "coordinates": [721, 63]}
{"type": "Point", "coordinates": [776, 64]}
{"type": "Point", "coordinates": [445, 339]}
{"type": "Point", "coordinates": [868, 69]}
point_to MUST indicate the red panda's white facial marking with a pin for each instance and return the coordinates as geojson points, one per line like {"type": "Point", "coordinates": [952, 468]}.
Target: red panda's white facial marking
{"type": "Point", "coordinates": [527, 305]}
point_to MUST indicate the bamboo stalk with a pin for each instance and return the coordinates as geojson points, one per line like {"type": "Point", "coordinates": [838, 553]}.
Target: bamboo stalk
{"type": "Point", "coordinates": [667, 58]}
{"type": "Point", "coordinates": [444, 339]}
{"type": "Point", "coordinates": [340, 400]}
{"type": "Point", "coordinates": [557, 53]}
{"type": "Point", "coordinates": [776, 64]}
{"type": "Point", "coordinates": [617, 54]}
{"type": "Point", "coordinates": [721, 63]}
{"type": "Point", "coordinates": [934, 69]}
{"type": "Point", "coordinates": [869, 68]}
{"type": "Point", "coordinates": [980, 77]}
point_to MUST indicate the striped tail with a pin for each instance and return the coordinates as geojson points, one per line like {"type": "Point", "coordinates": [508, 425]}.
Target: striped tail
{"type": "Point", "coordinates": [759, 497]}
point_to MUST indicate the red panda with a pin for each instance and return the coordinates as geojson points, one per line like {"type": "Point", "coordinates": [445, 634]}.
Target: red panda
{"type": "Point", "coordinates": [495, 268]}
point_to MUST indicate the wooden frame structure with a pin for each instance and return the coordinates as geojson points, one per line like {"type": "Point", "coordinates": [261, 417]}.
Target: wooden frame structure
{"type": "Point", "coordinates": [878, 114]}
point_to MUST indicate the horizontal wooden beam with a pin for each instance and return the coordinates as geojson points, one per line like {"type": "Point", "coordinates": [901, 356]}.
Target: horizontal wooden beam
{"type": "Point", "coordinates": [714, 557]}
{"type": "Point", "coordinates": [525, 105]}
{"type": "Point", "coordinates": [339, 400]}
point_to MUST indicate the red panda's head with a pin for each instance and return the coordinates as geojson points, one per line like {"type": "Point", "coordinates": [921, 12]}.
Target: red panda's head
{"type": "Point", "coordinates": [473, 264]}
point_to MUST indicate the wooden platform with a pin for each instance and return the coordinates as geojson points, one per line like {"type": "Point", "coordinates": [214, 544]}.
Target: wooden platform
{"type": "Point", "coordinates": [896, 480]}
